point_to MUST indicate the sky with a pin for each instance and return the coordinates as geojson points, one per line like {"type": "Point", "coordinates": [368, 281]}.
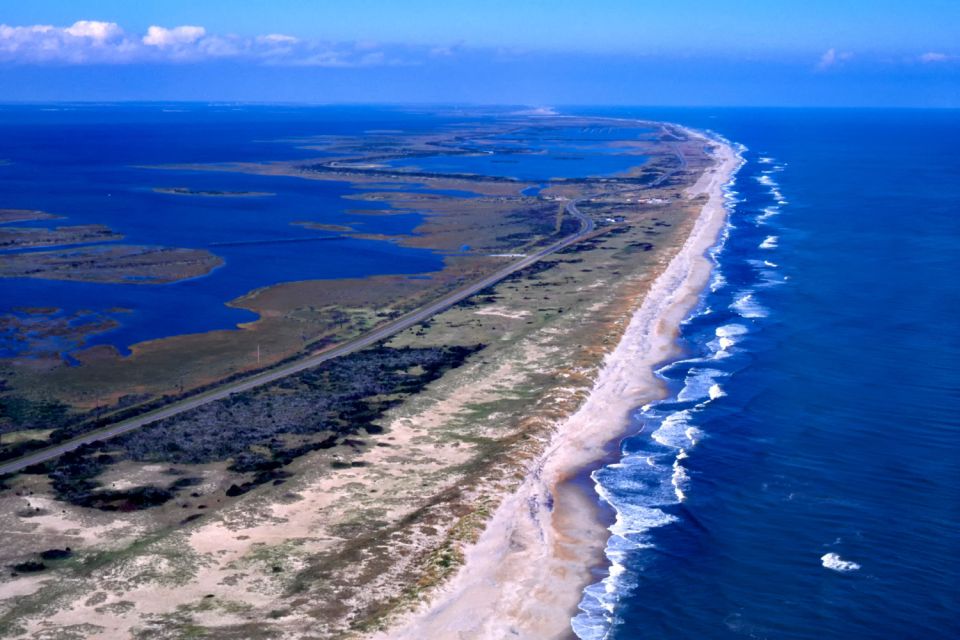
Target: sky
{"type": "Point", "coordinates": [536, 52]}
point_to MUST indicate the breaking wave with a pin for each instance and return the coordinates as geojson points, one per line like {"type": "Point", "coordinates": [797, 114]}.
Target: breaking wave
{"type": "Point", "coordinates": [654, 475]}
{"type": "Point", "coordinates": [747, 306]}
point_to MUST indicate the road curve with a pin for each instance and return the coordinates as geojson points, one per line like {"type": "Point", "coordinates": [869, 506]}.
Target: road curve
{"type": "Point", "coordinates": [394, 326]}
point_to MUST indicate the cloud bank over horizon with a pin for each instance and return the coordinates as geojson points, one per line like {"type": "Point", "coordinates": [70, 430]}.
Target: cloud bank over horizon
{"type": "Point", "coordinates": [194, 56]}
{"type": "Point", "coordinates": [97, 42]}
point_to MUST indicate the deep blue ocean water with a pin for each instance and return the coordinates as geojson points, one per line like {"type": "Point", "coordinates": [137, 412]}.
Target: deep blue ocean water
{"type": "Point", "coordinates": [804, 479]}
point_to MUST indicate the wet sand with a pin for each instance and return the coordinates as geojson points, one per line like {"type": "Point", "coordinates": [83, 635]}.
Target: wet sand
{"type": "Point", "coordinates": [524, 577]}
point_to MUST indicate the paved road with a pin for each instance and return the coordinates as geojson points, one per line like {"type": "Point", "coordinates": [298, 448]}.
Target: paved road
{"type": "Point", "coordinates": [384, 331]}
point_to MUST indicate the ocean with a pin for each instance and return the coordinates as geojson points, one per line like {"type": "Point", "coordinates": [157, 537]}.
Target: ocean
{"type": "Point", "coordinates": [803, 479]}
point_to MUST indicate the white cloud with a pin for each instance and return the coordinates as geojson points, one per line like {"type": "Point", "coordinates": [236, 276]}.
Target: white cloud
{"type": "Point", "coordinates": [277, 38]}
{"type": "Point", "coordinates": [831, 57]}
{"type": "Point", "coordinates": [83, 41]}
{"type": "Point", "coordinates": [97, 42]}
{"type": "Point", "coordinates": [95, 30]}
{"type": "Point", "coordinates": [162, 37]}
{"type": "Point", "coordinates": [827, 59]}
{"type": "Point", "coordinates": [446, 51]}
{"type": "Point", "coordinates": [322, 59]}
{"type": "Point", "coordinates": [933, 56]}
{"type": "Point", "coordinates": [372, 59]}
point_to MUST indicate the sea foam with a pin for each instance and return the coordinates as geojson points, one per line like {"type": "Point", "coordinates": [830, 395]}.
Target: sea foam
{"type": "Point", "coordinates": [747, 306]}
{"type": "Point", "coordinates": [634, 520]}
{"type": "Point", "coordinates": [701, 384]}
{"type": "Point", "coordinates": [834, 562]}
{"type": "Point", "coordinates": [717, 281]}
{"type": "Point", "coordinates": [767, 213]}
{"type": "Point", "coordinates": [679, 479]}
{"type": "Point", "coordinates": [651, 473]}
{"type": "Point", "coordinates": [727, 338]}
{"type": "Point", "coordinates": [768, 272]}
{"type": "Point", "coordinates": [675, 430]}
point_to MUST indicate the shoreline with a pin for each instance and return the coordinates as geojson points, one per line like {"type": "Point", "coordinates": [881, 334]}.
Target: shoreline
{"type": "Point", "coordinates": [525, 575]}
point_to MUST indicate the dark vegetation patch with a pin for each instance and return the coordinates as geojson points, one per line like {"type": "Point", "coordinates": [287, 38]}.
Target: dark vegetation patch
{"type": "Point", "coordinates": [56, 554]}
{"type": "Point", "coordinates": [18, 413]}
{"type": "Point", "coordinates": [335, 399]}
{"type": "Point", "coordinates": [638, 246]}
{"type": "Point", "coordinates": [541, 225]}
{"type": "Point", "coordinates": [568, 226]}
{"type": "Point", "coordinates": [30, 566]}
{"type": "Point", "coordinates": [532, 272]}
{"type": "Point", "coordinates": [477, 300]}
{"type": "Point", "coordinates": [262, 430]}
{"type": "Point", "coordinates": [72, 479]}
{"type": "Point", "coordinates": [35, 566]}
{"type": "Point", "coordinates": [588, 244]}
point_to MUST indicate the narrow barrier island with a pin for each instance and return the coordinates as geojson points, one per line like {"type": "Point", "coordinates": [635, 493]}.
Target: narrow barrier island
{"type": "Point", "coordinates": [332, 502]}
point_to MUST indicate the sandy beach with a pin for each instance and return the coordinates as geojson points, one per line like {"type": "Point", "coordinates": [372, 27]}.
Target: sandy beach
{"type": "Point", "coordinates": [524, 576]}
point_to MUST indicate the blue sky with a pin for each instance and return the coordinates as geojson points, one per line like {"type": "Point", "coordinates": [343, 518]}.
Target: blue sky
{"type": "Point", "coordinates": [678, 52]}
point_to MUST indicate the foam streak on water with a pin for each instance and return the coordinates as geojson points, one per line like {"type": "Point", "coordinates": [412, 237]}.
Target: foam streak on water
{"type": "Point", "coordinates": [834, 562]}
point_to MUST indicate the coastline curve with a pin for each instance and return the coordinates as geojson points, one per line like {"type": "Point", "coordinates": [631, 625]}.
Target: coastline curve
{"type": "Point", "coordinates": [525, 575]}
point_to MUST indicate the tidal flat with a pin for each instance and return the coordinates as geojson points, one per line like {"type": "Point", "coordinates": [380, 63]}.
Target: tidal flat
{"type": "Point", "coordinates": [262, 516]}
